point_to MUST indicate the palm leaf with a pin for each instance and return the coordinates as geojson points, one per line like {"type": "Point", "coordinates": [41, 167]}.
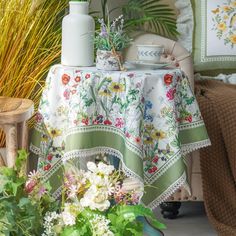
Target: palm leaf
{"type": "Point", "coordinates": [150, 15]}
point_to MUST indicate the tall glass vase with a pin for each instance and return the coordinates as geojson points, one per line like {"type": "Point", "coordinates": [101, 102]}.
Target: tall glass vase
{"type": "Point", "coordinates": [77, 36]}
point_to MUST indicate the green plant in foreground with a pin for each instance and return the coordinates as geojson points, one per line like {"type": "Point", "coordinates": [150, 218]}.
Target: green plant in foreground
{"type": "Point", "coordinates": [101, 202]}
{"type": "Point", "coordinates": [21, 213]}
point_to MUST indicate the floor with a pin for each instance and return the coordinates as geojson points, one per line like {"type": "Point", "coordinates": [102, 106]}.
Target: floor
{"type": "Point", "coordinates": [192, 221]}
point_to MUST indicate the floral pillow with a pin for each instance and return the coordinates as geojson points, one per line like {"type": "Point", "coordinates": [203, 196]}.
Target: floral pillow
{"type": "Point", "coordinates": [214, 35]}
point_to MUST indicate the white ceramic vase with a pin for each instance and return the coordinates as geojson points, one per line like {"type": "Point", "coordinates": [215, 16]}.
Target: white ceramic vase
{"type": "Point", "coordinates": [77, 36]}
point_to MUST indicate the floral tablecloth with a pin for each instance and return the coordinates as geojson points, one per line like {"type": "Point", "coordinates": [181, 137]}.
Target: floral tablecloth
{"type": "Point", "coordinates": [149, 120]}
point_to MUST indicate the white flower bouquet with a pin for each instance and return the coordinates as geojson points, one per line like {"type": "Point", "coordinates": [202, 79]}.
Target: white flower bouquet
{"type": "Point", "coordinates": [99, 202]}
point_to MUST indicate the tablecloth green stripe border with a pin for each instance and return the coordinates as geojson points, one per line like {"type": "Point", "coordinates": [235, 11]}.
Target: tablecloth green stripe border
{"type": "Point", "coordinates": [186, 136]}
{"type": "Point", "coordinates": [163, 182]}
{"type": "Point", "coordinates": [133, 161]}
{"type": "Point", "coordinates": [193, 135]}
{"type": "Point", "coordinates": [35, 137]}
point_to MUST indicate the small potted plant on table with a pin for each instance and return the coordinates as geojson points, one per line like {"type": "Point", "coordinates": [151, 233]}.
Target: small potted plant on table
{"type": "Point", "coordinates": [109, 42]}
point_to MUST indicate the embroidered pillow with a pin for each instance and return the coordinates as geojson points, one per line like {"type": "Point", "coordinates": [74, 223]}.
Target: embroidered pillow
{"type": "Point", "coordinates": [214, 35]}
{"type": "Point", "coordinates": [214, 43]}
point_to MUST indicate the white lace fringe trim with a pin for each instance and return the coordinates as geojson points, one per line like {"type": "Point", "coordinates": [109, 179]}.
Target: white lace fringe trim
{"type": "Point", "coordinates": [57, 193]}
{"type": "Point", "coordinates": [35, 149]}
{"type": "Point", "coordinates": [191, 125]}
{"type": "Point", "coordinates": [86, 153]}
{"type": "Point", "coordinates": [110, 129]}
{"type": "Point", "coordinates": [187, 148]}
{"type": "Point", "coordinates": [185, 23]}
{"type": "Point", "coordinates": [38, 128]}
{"type": "Point", "coordinates": [171, 190]}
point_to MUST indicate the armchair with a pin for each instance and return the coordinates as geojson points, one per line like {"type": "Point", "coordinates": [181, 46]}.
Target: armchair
{"type": "Point", "coordinates": [178, 56]}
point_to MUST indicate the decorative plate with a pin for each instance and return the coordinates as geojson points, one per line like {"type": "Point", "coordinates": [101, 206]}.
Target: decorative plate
{"type": "Point", "coordinates": [146, 65]}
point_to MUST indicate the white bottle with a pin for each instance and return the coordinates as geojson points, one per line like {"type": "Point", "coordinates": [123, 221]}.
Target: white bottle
{"type": "Point", "coordinates": [78, 36]}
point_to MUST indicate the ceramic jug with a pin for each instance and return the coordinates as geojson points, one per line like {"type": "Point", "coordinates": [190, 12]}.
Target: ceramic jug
{"type": "Point", "coordinates": [77, 36]}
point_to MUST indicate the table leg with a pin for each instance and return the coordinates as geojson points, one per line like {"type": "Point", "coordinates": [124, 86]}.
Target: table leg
{"type": "Point", "coordinates": [22, 135]}
{"type": "Point", "coordinates": [170, 210]}
{"type": "Point", "coordinates": [11, 144]}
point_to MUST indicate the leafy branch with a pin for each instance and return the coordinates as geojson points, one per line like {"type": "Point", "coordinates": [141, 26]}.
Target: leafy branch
{"type": "Point", "coordinates": [150, 15]}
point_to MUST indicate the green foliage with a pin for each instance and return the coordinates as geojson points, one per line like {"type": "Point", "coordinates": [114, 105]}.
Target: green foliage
{"type": "Point", "coordinates": [150, 15]}
{"type": "Point", "coordinates": [19, 214]}
{"type": "Point", "coordinates": [22, 211]}
{"type": "Point", "coordinates": [124, 220]}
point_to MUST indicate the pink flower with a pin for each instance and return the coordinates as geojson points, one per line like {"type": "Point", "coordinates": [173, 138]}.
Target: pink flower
{"type": "Point", "coordinates": [131, 75]}
{"type": "Point", "coordinates": [155, 159]}
{"type": "Point", "coordinates": [127, 135]}
{"type": "Point", "coordinates": [119, 194]}
{"type": "Point", "coordinates": [87, 76]}
{"type": "Point", "coordinates": [138, 140]}
{"type": "Point", "coordinates": [69, 180]}
{"type": "Point", "coordinates": [42, 191]}
{"type": "Point", "coordinates": [47, 167]}
{"type": "Point", "coordinates": [30, 184]}
{"type": "Point", "coordinates": [119, 122]}
{"type": "Point", "coordinates": [38, 117]}
{"type": "Point", "coordinates": [135, 198]}
{"type": "Point", "coordinates": [171, 94]}
{"type": "Point", "coordinates": [189, 118]}
{"type": "Point", "coordinates": [107, 122]}
{"type": "Point", "coordinates": [154, 169]}
{"type": "Point", "coordinates": [49, 157]}
{"type": "Point", "coordinates": [66, 94]}
{"type": "Point", "coordinates": [85, 121]}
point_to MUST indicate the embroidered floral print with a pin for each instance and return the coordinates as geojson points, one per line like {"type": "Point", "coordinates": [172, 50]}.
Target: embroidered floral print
{"type": "Point", "coordinates": [144, 114]}
{"type": "Point", "coordinates": [224, 22]}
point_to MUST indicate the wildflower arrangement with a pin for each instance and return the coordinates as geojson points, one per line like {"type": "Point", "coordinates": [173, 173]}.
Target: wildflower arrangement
{"type": "Point", "coordinates": [99, 202]}
{"type": "Point", "coordinates": [112, 37]}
